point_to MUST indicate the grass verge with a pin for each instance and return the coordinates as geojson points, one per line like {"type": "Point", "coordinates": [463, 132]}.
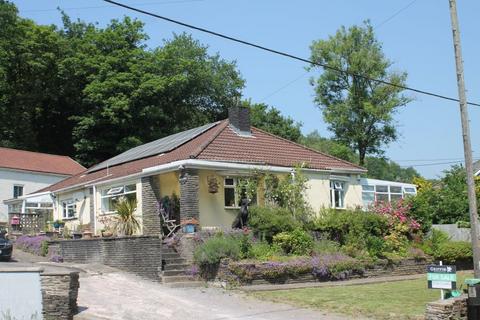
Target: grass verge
{"type": "Point", "coordinates": [395, 300]}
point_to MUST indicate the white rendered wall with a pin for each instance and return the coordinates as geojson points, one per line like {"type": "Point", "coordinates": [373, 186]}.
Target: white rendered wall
{"type": "Point", "coordinates": [31, 181]}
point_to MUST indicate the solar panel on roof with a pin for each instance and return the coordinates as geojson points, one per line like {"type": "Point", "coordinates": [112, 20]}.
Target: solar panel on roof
{"type": "Point", "coordinates": [159, 146]}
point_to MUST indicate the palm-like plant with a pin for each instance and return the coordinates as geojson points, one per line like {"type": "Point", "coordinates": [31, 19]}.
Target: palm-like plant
{"type": "Point", "coordinates": [125, 223]}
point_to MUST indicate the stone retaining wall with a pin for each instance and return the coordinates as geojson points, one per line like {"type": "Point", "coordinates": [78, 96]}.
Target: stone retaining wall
{"type": "Point", "coordinates": [141, 255]}
{"type": "Point", "coordinates": [454, 308]}
{"type": "Point", "coordinates": [404, 267]}
{"type": "Point", "coordinates": [59, 295]}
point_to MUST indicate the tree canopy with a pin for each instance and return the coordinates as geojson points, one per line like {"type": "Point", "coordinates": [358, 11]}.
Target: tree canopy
{"type": "Point", "coordinates": [271, 120]}
{"type": "Point", "coordinates": [358, 111]}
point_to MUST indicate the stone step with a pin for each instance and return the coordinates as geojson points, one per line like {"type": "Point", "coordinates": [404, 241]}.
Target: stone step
{"type": "Point", "coordinates": [185, 284]}
{"type": "Point", "coordinates": [168, 250]}
{"type": "Point", "coordinates": [170, 279]}
{"type": "Point", "coordinates": [176, 266]}
{"type": "Point", "coordinates": [174, 261]}
{"type": "Point", "coordinates": [179, 272]}
{"type": "Point", "coordinates": [170, 255]}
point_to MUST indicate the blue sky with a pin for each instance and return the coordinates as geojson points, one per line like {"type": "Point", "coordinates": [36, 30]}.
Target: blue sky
{"type": "Point", "coordinates": [418, 40]}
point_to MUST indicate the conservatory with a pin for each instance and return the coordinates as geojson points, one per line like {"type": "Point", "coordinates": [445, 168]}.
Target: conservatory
{"type": "Point", "coordinates": [374, 190]}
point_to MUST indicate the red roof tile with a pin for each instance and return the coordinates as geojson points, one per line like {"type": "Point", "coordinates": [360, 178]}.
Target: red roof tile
{"type": "Point", "coordinates": [38, 162]}
{"type": "Point", "coordinates": [221, 143]}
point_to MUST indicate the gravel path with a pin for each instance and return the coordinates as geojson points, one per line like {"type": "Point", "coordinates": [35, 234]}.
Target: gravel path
{"type": "Point", "coordinates": [124, 296]}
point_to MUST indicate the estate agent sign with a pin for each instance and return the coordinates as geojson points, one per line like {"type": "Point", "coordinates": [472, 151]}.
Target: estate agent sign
{"type": "Point", "coordinates": [442, 277]}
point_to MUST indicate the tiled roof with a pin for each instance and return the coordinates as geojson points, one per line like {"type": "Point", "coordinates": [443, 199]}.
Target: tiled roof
{"type": "Point", "coordinates": [38, 162]}
{"type": "Point", "coordinates": [221, 143]}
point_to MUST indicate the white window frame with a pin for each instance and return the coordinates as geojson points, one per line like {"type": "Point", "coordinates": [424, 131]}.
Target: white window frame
{"type": "Point", "coordinates": [116, 191]}
{"type": "Point", "coordinates": [340, 187]}
{"type": "Point", "coordinates": [371, 191]}
{"type": "Point", "coordinates": [18, 186]}
{"type": "Point", "coordinates": [236, 196]}
{"type": "Point", "coordinates": [68, 205]}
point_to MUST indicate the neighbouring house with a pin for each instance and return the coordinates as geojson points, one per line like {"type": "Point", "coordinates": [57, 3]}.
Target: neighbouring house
{"type": "Point", "coordinates": [476, 168]}
{"type": "Point", "coordinates": [23, 172]}
{"type": "Point", "coordinates": [201, 167]}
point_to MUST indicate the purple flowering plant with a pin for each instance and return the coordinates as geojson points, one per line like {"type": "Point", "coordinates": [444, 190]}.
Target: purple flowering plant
{"type": "Point", "coordinates": [34, 244]}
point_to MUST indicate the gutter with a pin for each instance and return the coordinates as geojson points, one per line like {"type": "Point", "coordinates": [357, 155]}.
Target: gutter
{"type": "Point", "coordinates": [205, 164]}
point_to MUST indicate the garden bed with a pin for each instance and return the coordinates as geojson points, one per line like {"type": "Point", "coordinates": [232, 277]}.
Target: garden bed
{"type": "Point", "coordinates": [315, 269]}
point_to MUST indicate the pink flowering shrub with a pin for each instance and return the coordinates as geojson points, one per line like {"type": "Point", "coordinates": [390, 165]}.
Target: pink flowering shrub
{"type": "Point", "coordinates": [402, 227]}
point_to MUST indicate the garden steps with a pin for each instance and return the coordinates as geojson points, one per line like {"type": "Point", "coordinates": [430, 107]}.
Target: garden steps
{"type": "Point", "coordinates": [175, 269]}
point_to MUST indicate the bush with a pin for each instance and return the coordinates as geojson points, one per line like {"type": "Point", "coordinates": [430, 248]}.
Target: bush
{"type": "Point", "coordinates": [263, 251]}
{"type": "Point", "coordinates": [325, 247]}
{"type": "Point", "coordinates": [216, 248]}
{"type": "Point", "coordinates": [435, 239]}
{"type": "Point", "coordinates": [454, 251]}
{"type": "Point", "coordinates": [463, 224]}
{"type": "Point", "coordinates": [297, 242]}
{"type": "Point", "coordinates": [34, 244]}
{"type": "Point", "coordinates": [268, 221]}
{"type": "Point", "coordinates": [354, 228]}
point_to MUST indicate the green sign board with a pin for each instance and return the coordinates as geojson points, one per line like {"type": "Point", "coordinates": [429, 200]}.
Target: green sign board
{"type": "Point", "coordinates": [441, 277]}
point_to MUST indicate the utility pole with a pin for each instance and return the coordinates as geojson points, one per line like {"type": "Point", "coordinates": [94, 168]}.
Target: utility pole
{"type": "Point", "coordinates": [467, 147]}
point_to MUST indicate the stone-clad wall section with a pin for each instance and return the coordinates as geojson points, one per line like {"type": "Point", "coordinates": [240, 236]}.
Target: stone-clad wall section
{"type": "Point", "coordinates": [150, 200]}
{"type": "Point", "coordinates": [59, 295]}
{"type": "Point", "coordinates": [454, 308]}
{"type": "Point", "coordinates": [141, 255]}
{"type": "Point", "coordinates": [189, 186]}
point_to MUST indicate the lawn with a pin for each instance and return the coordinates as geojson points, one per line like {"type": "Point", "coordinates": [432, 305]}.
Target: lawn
{"type": "Point", "coordinates": [399, 300]}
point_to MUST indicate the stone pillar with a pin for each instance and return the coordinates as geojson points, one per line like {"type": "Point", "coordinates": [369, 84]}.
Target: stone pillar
{"type": "Point", "coordinates": [189, 186]}
{"type": "Point", "coordinates": [150, 199]}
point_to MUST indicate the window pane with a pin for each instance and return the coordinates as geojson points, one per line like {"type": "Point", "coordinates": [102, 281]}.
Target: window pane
{"type": "Point", "coordinates": [382, 197]}
{"type": "Point", "coordinates": [229, 181]}
{"type": "Point", "coordinates": [382, 188]}
{"type": "Point", "coordinates": [395, 197]}
{"type": "Point", "coordinates": [368, 196]}
{"type": "Point", "coordinates": [230, 197]}
{"type": "Point", "coordinates": [31, 204]}
{"type": "Point", "coordinates": [410, 190]}
{"type": "Point", "coordinates": [131, 187]}
{"type": "Point", "coordinates": [338, 194]}
{"type": "Point", "coordinates": [395, 189]}
{"type": "Point", "coordinates": [17, 191]}
{"type": "Point", "coordinates": [368, 188]}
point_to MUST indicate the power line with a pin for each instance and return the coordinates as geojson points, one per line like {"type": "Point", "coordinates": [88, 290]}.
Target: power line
{"type": "Point", "coordinates": [284, 86]}
{"type": "Point", "coordinates": [437, 159]}
{"type": "Point", "coordinates": [375, 27]}
{"type": "Point", "coordinates": [433, 164]}
{"type": "Point", "coordinates": [395, 14]}
{"type": "Point", "coordinates": [288, 55]}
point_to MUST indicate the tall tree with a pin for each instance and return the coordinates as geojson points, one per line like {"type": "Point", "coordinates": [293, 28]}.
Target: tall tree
{"type": "Point", "coordinates": [358, 111]}
{"type": "Point", "coordinates": [271, 120]}
{"type": "Point", "coordinates": [384, 169]}
{"type": "Point", "coordinates": [315, 141]}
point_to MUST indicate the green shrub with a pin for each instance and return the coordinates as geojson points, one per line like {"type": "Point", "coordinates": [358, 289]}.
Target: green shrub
{"type": "Point", "coordinates": [463, 224]}
{"type": "Point", "coordinates": [268, 221]}
{"type": "Point", "coordinates": [435, 239]}
{"type": "Point", "coordinates": [326, 246]}
{"type": "Point", "coordinates": [44, 248]}
{"type": "Point", "coordinates": [453, 251]}
{"type": "Point", "coordinates": [297, 242]}
{"type": "Point", "coordinates": [354, 228]}
{"type": "Point", "coordinates": [216, 248]}
{"type": "Point", "coordinates": [264, 251]}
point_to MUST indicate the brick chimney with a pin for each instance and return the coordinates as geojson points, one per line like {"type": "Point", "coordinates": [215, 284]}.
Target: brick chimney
{"type": "Point", "coordinates": [239, 118]}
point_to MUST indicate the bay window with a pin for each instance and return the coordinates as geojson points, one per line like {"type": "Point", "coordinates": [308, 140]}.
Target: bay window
{"type": "Point", "coordinates": [111, 196]}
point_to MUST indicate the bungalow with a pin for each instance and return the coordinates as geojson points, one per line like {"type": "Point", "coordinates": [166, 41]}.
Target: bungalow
{"type": "Point", "coordinates": [22, 172]}
{"type": "Point", "coordinates": [201, 166]}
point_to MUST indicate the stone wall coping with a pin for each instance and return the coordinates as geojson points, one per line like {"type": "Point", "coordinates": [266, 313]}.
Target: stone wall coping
{"type": "Point", "coordinates": [59, 273]}
{"type": "Point", "coordinates": [104, 239]}
{"type": "Point", "coordinates": [448, 301]}
{"type": "Point", "coordinates": [20, 269]}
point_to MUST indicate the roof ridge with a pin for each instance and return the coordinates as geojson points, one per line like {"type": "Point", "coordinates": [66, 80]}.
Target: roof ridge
{"type": "Point", "coordinates": [308, 148]}
{"type": "Point", "coordinates": [37, 152]}
{"type": "Point", "coordinates": [202, 147]}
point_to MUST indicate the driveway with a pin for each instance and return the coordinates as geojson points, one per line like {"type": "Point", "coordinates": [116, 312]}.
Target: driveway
{"type": "Point", "coordinates": [107, 293]}
{"type": "Point", "coordinates": [116, 295]}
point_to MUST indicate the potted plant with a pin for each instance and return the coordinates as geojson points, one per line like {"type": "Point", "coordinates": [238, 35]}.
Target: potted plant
{"type": "Point", "coordinates": [58, 223]}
